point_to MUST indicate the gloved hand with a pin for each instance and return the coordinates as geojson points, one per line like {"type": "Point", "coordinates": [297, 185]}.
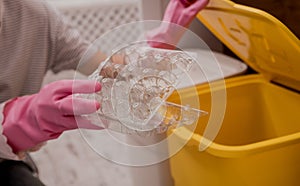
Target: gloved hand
{"type": "Point", "coordinates": [178, 15]}
{"type": "Point", "coordinates": [31, 120]}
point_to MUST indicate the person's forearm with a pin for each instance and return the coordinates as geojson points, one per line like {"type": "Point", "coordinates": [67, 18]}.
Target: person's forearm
{"type": "Point", "coordinates": [30, 120]}
{"type": "Point", "coordinates": [6, 151]}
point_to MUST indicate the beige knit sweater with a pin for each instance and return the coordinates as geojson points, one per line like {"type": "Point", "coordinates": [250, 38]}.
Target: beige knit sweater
{"type": "Point", "coordinates": [34, 38]}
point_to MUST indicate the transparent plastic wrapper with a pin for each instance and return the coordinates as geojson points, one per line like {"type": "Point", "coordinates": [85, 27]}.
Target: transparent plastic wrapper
{"type": "Point", "coordinates": [136, 81]}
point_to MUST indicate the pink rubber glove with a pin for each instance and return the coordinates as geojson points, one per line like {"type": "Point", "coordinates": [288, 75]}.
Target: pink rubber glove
{"type": "Point", "coordinates": [178, 12]}
{"type": "Point", "coordinates": [31, 120]}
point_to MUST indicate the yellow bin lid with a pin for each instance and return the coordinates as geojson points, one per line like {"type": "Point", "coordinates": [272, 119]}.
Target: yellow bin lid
{"type": "Point", "coordinates": [258, 38]}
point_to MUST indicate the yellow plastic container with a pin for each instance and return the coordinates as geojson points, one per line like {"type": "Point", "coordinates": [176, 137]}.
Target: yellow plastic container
{"type": "Point", "coordinates": [259, 141]}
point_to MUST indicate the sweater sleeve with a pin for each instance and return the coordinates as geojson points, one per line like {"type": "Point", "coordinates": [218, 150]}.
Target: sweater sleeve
{"type": "Point", "coordinates": [68, 45]}
{"type": "Point", "coordinates": [6, 151]}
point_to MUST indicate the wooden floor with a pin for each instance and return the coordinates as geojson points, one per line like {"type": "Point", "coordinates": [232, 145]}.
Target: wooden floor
{"type": "Point", "coordinates": [69, 161]}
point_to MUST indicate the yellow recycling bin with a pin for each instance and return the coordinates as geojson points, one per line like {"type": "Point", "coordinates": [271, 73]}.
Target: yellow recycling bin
{"type": "Point", "coordinates": [259, 141]}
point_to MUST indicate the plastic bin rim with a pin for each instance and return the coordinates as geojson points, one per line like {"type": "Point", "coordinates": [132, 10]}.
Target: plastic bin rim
{"type": "Point", "coordinates": [236, 151]}
{"type": "Point", "coordinates": [230, 82]}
